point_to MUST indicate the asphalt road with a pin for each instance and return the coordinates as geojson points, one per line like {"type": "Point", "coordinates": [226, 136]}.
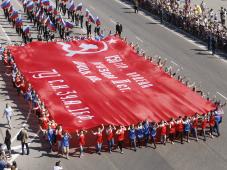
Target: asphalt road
{"type": "Point", "coordinates": [156, 40]}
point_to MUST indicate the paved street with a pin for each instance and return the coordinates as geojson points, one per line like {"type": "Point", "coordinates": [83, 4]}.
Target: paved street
{"type": "Point", "coordinates": [156, 40]}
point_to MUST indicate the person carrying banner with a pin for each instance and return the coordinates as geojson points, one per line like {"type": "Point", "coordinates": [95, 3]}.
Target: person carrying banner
{"type": "Point", "coordinates": [180, 129]}
{"type": "Point", "coordinates": [59, 136]}
{"type": "Point", "coordinates": [121, 136]}
{"type": "Point", "coordinates": [153, 130]}
{"type": "Point", "coordinates": [204, 125]}
{"type": "Point", "coordinates": [172, 130]}
{"type": "Point", "coordinates": [99, 139]}
{"type": "Point", "coordinates": [163, 130]}
{"type": "Point", "coordinates": [195, 123]}
{"type": "Point", "coordinates": [110, 137]}
{"type": "Point", "coordinates": [65, 144]}
{"type": "Point", "coordinates": [146, 127]}
{"type": "Point", "coordinates": [211, 123]}
{"type": "Point", "coordinates": [187, 127]}
{"type": "Point", "coordinates": [140, 134]}
{"type": "Point", "coordinates": [81, 137]}
{"type": "Point", "coordinates": [132, 136]}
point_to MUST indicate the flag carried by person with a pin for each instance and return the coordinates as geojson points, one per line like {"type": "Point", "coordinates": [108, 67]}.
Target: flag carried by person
{"type": "Point", "coordinates": [38, 13]}
{"type": "Point", "coordinates": [14, 14]}
{"type": "Point", "coordinates": [25, 2]}
{"type": "Point", "coordinates": [5, 4]}
{"type": "Point", "coordinates": [45, 2]}
{"type": "Point", "coordinates": [91, 18]}
{"type": "Point", "coordinates": [47, 21]}
{"type": "Point", "coordinates": [59, 19]}
{"type": "Point", "coordinates": [30, 6]}
{"type": "Point", "coordinates": [26, 29]}
{"type": "Point", "coordinates": [98, 22]}
{"type": "Point", "coordinates": [43, 18]}
{"type": "Point", "coordinates": [51, 26]}
{"type": "Point", "coordinates": [19, 22]}
{"type": "Point", "coordinates": [79, 7]}
{"type": "Point", "coordinates": [50, 8]}
{"type": "Point", "coordinates": [69, 25]}
{"type": "Point", "coordinates": [11, 10]}
{"type": "Point", "coordinates": [87, 12]}
{"type": "Point", "coordinates": [70, 5]}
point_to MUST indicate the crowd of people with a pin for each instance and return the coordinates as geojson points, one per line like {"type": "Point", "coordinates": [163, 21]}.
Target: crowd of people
{"type": "Point", "coordinates": [198, 20]}
{"type": "Point", "coordinates": [176, 129]}
{"type": "Point", "coordinates": [52, 23]}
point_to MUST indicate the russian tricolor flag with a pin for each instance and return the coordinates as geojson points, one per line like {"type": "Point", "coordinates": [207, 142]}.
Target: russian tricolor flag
{"type": "Point", "coordinates": [47, 21]}
{"type": "Point", "coordinates": [26, 29]}
{"type": "Point", "coordinates": [19, 22]}
{"type": "Point", "coordinates": [69, 25]}
{"type": "Point", "coordinates": [14, 15]}
{"type": "Point", "coordinates": [45, 2]}
{"type": "Point", "coordinates": [71, 6]}
{"type": "Point", "coordinates": [91, 18]}
{"type": "Point", "coordinates": [5, 4]}
{"type": "Point", "coordinates": [38, 13]}
{"type": "Point", "coordinates": [51, 26]}
{"type": "Point", "coordinates": [79, 7]}
{"type": "Point", "coordinates": [30, 6]}
{"type": "Point", "coordinates": [98, 22]}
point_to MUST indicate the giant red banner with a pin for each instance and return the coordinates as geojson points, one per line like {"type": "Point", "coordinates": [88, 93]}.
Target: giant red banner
{"type": "Point", "coordinates": [86, 83]}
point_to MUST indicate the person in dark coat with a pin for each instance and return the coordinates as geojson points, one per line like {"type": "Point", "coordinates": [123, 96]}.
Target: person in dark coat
{"type": "Point", "coordinates": [8, 141]}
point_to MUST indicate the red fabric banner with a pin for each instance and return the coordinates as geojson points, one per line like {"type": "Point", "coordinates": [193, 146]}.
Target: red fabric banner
{"type": "Point", "coordinates": [86, 83]}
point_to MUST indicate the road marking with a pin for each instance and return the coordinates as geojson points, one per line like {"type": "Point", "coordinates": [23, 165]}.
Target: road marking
{"type": "Point", "coordinates": [113, 21]}
{"type": "Point", "coordinates": [176, 33]}
{"type": "Point", "coordinates": [15, 156]}
{"type": "Point", "coordinates": [139, 39]}
{"type": "Point", "coordinates": [92, 7]}
{"type": "Point", "coordinates": [15, 137]}
{"type": "Point", "coordinates": [174, 63]}
{"type": "Point", "coordinates": [19, 4]}
{"type": "Point", "coordinates": [7, 37]}
{"type": "Point", "coordinates": [222, 95]}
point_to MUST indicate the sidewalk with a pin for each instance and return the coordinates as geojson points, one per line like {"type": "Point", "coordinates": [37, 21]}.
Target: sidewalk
{"type": "Point", "coordinates": [21, 116]}
{"type": "Point", "coordinates": [214, 4]}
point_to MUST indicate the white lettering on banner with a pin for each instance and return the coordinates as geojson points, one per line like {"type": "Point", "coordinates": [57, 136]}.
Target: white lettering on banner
{"type": "Point", "coordinates": [68, 97]}
{"type": "Point", "coordinates": [104, 71]}
{"type": "Point", "coordinates": [71, 102]}
{"type": "Point", "coordinates": [66, 93]}
{"type": "Point", "coordinates": [117, 61]}
{"type": "Point", "coordinates": [53, 81]}
{"type": "Point", "coordinates": [93, 78]}
{"type": "Point", "coordinates": [45, 74]}
{"type": "Point", "coordinates": [60, 87]}
{"type": "Point", "coordinates": [82, 67]}
{"type": "Point", "coordinates": [85, 117]}
{"type": "Point", "coordinates": [140, 80]}
{"type": "Point", "coordinates": [84, 70]}
{"type": "Point", "coordinates": [122, 84]}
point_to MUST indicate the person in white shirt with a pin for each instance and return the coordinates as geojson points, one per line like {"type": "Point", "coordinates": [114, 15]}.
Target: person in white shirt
{"type": "Point", "coordinates": [58, 166]}
{"type": "Point", "coordinates": [8, 113]}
